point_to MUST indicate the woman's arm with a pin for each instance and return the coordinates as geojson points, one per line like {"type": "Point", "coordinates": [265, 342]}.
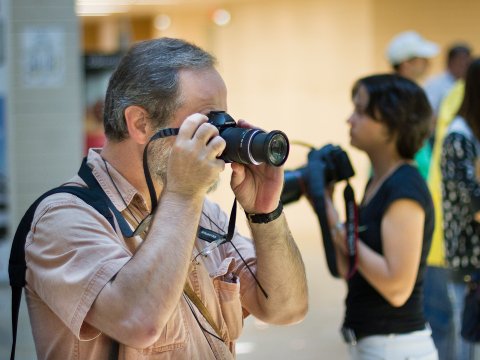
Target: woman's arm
{"type": "Point", "coordinates": [394, 273]}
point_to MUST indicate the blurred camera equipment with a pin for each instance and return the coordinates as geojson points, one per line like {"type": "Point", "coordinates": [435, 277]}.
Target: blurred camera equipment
{"type": "Point", "coordinates": [335, 165]}
{"type": "Point", "coordinates": [249, 146]}
{"type": "Point", "coordinates": [329, 164]}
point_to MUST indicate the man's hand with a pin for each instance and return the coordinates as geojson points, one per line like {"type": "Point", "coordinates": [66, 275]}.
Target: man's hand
{"type": "Point", "coordinates": [193, 165]}
{"type": "Point", "coordinates": [257, 187]}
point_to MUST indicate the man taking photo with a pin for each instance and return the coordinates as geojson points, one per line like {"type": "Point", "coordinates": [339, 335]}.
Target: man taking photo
{"type": "Point", "coordinates": [164, 292]}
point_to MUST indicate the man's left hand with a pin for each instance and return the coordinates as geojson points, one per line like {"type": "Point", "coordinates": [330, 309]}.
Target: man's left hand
{"type": "Point", "coordinates": [257, 187]}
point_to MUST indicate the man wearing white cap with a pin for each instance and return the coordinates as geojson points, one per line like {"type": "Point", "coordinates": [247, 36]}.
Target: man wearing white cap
{"type": "Point", "coordinates": [409, 54]}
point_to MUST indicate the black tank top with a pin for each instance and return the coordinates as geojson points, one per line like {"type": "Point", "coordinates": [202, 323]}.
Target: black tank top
{"type": "Point", "coordinates": [367, 312]}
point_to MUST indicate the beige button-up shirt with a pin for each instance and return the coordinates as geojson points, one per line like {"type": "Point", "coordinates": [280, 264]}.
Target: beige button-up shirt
{"type": "Point", "coordinates": [72, 252]}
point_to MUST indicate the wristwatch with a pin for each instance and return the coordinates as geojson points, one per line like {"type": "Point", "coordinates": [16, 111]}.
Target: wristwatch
{"type": "Point", "coordinates": [265, 218]}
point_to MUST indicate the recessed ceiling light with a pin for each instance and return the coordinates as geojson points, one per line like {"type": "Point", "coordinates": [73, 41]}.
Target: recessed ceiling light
{"type": "Point", "coordinates": [162, 22]}
{"type": "Point", "coordinates": [221, 17]}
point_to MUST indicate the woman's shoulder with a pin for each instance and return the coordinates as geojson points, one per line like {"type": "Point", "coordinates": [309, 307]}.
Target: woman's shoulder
{"type": "Point", "coordinates": [406, 171]}
{"type": "Point", "coordinates": [407, 182]}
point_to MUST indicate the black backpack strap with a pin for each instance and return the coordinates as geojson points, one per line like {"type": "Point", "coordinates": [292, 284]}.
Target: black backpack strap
{"type": "Point", "coordinates": [86, 174]}
{"type": "Point", "coordinates": [17, 266]}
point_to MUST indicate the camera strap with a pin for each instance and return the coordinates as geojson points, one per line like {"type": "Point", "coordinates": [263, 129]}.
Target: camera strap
{"type": "Point", "coordinates": [351, 210]}
{"type": "Point", "coordinates": [148, 178]}
{"type": "Point", "coordinates": [316, 175]}
{"type": "Point", "coordinates": [316, 169]}
{"type": "Point", "coordinates": [204, 234]}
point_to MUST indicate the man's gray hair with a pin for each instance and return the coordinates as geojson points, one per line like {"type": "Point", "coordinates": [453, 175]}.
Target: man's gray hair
{"type": "Point", "coordinates": [147, 76]}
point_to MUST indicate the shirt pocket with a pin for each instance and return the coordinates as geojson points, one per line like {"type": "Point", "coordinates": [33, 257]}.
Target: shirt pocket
{"type": "Point", "coordinates": [229, 298]}
{"type": "Point", "coordinates": [174, 335]}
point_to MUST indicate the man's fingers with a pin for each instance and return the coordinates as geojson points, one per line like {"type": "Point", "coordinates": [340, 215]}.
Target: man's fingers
{"type": "Point", "coordinates": [190, 125]}
{"type": "Point", "coordinates": [216, 146]}
{"type": "Point", "coordinates": [205, 133]}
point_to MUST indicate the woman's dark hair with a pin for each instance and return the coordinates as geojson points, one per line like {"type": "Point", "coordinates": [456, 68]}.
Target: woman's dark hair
{"type": "Point", "coordinates": [470, 108]}
{"type": "Point", "coordinates": [402, 105]}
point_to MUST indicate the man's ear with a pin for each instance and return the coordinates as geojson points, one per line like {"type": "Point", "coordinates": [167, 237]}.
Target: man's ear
{"type": "Point", "coordinates": [136, 118]}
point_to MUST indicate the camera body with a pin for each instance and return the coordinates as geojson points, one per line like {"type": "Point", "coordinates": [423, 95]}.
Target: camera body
{"type": "Point", "coordinates": [337, 164]}
{"type": "Point", "coordinates": [221, 120]}
{"type": "Point", "coordinates": [330, 162]}
{"type": "Point", "coordinates": [249, 146]}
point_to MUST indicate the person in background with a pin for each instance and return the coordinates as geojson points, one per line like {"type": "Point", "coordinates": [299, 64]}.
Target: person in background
{"type": "Point", "coordinates": [94, 133]}
{"type": "Point", "coordinates": [163, 292]}
{"type": "Point", "coordinates": [384, 308]}
{"type": "Point", "coordinates": [438, 299]}
{"type": "Point", "coordinates": [460, 170]}
{"type": "Point", "coordinates": [409, 55]}
{"type": "Point", "coordinates": [458, 58]}
{"type": "Point", "coordinates": [445, 104]}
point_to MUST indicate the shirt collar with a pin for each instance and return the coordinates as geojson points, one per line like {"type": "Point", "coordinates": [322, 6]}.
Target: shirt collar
{"type": "Point", "coordinates": [125, 189]}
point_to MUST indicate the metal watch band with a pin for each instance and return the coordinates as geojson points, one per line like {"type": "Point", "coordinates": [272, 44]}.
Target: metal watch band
{"type": "Point", "coordinates": [265, 218]}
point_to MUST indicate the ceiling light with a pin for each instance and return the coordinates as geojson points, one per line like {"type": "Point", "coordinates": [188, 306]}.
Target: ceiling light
{"type": "Point", "coordinates": [221, 17]}
{"type": "Point", "coordinates": [98, 8]}
{"type": "Point", "coordinates": [162, 22]}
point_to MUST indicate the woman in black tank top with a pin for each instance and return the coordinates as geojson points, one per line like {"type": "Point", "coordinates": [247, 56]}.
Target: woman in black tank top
{"type": "Point", "coordinates": [384, 310]}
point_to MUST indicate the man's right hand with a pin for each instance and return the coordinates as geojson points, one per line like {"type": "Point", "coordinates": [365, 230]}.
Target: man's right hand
{"type": "Point", "coordinates": [193, 165]}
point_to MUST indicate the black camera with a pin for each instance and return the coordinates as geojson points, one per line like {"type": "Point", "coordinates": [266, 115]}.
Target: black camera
{"type": "Point", "coordinates": [327, 164]}
{"type": "Point", "coordinates": [249, 146]}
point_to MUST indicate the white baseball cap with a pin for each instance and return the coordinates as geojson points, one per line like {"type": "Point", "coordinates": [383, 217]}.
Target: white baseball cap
{"type": "Point", "coordinates": [408, 45]}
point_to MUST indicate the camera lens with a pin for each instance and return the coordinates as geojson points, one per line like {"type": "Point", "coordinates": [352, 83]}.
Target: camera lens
{"type": "Point", "coordinates": [271, 148]}
{"type": "Point", "coordinates": [253, 146]}
{"type": "Point", "coordinates": [277, 148]}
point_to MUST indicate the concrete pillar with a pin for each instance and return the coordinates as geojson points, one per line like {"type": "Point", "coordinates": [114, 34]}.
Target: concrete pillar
{"type": "Point", "coordinates": [44, 117]}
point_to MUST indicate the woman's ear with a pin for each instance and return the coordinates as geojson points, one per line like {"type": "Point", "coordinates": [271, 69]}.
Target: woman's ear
{"type": "Point", "coordinates": [136, 118]}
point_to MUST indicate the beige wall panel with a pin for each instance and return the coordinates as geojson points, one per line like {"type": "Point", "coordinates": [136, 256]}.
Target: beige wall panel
{"type": "Point", "coordinates": [290, 65]}
{"type": "Point", "coordinates": [191, 25]}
